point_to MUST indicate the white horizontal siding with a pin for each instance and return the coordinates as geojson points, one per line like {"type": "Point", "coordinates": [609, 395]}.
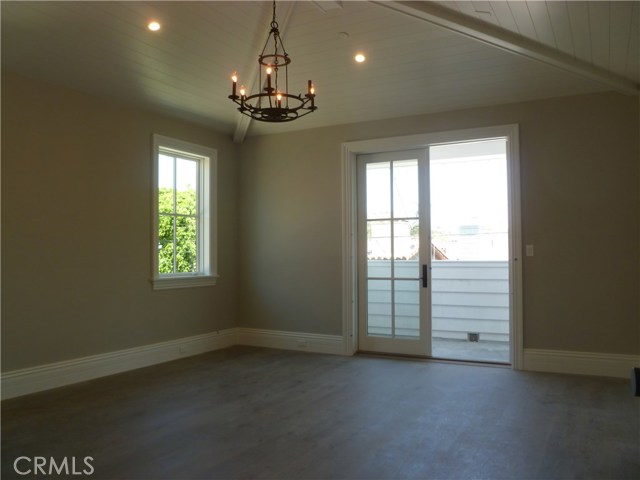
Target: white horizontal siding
{"type": "Point", "coordinates": [455, 270]}
{"type": "Point", "coordinates": [480, 286]}
{"type": "Point", "coordinates": [470, 297]}
{"type": "Point", "coordinates": [467, 297]}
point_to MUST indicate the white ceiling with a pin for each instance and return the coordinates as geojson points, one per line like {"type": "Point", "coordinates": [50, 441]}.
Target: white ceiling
{"type": "Point", "coordinates": [604, 34]}
{"type": "Point", "coordinates": [421, 56]}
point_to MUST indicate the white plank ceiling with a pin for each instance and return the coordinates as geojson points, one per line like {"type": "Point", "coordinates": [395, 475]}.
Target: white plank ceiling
{"type": "Point", "coordinates": [412, 67]}
{"type": "Point", "coordinates": [604, 34]}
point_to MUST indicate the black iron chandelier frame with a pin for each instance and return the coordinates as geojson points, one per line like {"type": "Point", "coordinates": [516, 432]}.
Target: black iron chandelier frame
{"type": "Point", "coordinates": [274, 103]}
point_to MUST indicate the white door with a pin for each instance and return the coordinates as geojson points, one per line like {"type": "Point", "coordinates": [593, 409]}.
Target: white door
{"type": "Point", "coordinates": [394, 296]}
{"type": "Point", "coordinates": [433, 251]}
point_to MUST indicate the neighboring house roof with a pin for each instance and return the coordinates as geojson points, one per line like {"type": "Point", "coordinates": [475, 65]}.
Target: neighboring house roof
{"type": "Point", "coordinates": [437, 253]}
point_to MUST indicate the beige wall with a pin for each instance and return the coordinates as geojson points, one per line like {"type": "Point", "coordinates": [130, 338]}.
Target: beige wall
{"type": "Point", "coordinates": [580, 191]}
{"type": "Point", "coordinates": [76, 226]}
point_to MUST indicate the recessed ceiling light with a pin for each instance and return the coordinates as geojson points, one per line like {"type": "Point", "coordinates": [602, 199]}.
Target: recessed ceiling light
{"type": "Point", "coordinates": [360, 57]}
{"type": "Point", "coordinates": [153, 26]}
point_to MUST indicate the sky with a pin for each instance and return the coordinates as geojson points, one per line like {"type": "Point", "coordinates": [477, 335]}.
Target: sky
{"type": "Point", "coordinates": [186, 173]}
{"type": "Point", "coordinates": [467, 191]}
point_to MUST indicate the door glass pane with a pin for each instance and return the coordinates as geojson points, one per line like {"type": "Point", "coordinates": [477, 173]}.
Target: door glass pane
{"type": "Point", "coordinates": [379, 248]}
{"type": "Point", "coordinates": [379, 190]}
{"type": "Point", "coordinates": [470, 269]}
{"type": "Point", "coordinates": [405, 189]}
{"type": "Point", "coordinates": [392, 218]}
{"type": "Point", "coordinates": [407, 308]}
{"type": "Point", "coordinates": [405, 248]}
{"type": "Point", "coordinates": [379, 312]}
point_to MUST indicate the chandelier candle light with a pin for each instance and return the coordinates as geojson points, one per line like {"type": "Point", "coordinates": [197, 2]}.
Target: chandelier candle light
{"type": "Point", "coordinates": [275, 103]}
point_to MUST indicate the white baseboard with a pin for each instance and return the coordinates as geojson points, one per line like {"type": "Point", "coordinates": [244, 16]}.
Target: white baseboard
{"type": "Point", "coordinates": [581, 363]}
{"type": "Point", "coordinates": [53, 375]}
{"type": "Point", "coordinates": [309, 342]}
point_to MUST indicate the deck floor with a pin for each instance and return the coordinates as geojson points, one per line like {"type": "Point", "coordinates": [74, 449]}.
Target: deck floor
{"type": "Point", "coordinates": [481, 351]}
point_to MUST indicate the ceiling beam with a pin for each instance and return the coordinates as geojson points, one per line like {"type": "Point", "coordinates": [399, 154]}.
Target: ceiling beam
{"type": "Point", "coordinates": [511, 42]}
{"type": "Point", "coordinates": [325, 5]}
{"type": "Point", "coordinates": [242, 126]}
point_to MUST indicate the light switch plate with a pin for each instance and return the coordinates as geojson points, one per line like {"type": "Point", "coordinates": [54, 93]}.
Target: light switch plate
{"type": "Point", "coordinates": [529, 250]}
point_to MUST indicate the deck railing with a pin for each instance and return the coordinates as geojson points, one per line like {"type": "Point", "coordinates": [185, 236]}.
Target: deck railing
{"type": "Point", "coordinates": [467, 297]}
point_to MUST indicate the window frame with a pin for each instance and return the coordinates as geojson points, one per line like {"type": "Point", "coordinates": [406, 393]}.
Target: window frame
{"type": "Point", "coordinates": [207, 159]}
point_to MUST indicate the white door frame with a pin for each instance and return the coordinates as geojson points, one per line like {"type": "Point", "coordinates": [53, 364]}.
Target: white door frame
{"type": "Point", "coordinates": [350, 150]}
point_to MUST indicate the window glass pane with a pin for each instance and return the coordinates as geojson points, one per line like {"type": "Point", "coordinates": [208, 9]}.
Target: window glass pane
{"type": "Point", "coordinates": [379, 308]}
{"type": "Point", "coordinates": [165, 244]}
{"type": "Point", "coordinates": [378, 190]}
{"type": "Point", "coordinates": [405, 189]}
{"type": "Point", "coordinates": [165, 184]}
{"type": "Point", "coordinates": [186, 245]}
{"type": "Point", "coordinates": [186, 183]}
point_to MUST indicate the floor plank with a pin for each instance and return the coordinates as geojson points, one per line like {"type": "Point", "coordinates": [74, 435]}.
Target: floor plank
{"type": "Point", "coordinates": [249, 412]}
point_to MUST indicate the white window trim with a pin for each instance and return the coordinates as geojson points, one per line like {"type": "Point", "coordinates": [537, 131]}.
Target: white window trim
{"type": "Point", "coordinates": [207, 240]}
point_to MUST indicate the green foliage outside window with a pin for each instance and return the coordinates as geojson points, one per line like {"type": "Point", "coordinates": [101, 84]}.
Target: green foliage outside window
{"type": "Point", "coordinates": [186, 251]}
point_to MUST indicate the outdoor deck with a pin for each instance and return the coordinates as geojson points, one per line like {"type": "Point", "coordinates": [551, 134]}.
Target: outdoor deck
{"type": "Point", "coordinates": [482, 351]}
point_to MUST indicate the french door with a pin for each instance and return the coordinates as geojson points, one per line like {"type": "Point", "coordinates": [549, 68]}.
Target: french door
{"type": "Point", "coordinates": [434, 261]}
{"type": "Point", "coordinates": [394, 298]}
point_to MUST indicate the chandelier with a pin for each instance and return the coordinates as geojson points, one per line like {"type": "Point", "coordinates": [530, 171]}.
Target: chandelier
{"type": "Point", "coordinates": [274, 103]}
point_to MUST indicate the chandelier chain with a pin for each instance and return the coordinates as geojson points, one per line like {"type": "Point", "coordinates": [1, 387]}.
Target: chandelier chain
{"type": "Point", "coordinates": [273, 21]}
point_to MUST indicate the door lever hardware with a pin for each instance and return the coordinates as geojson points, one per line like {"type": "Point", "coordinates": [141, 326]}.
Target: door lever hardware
{"type": "Point", "coordinates": [425, 275]}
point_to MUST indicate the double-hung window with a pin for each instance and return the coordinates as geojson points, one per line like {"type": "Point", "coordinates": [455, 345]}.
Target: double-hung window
{"type": "Point", "coordinates": [184, 214]}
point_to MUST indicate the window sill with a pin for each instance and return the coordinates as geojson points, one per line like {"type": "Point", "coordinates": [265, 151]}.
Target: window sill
{"type": "Point", "coordinates": [166, 283]}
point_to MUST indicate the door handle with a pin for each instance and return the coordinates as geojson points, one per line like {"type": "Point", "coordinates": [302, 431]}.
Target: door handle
{"type": "Point", "coordinates": [425, 275]}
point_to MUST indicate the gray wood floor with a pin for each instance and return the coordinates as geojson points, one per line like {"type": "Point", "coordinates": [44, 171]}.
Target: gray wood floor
{"type": "Point", "coordinates": [259, 413]}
